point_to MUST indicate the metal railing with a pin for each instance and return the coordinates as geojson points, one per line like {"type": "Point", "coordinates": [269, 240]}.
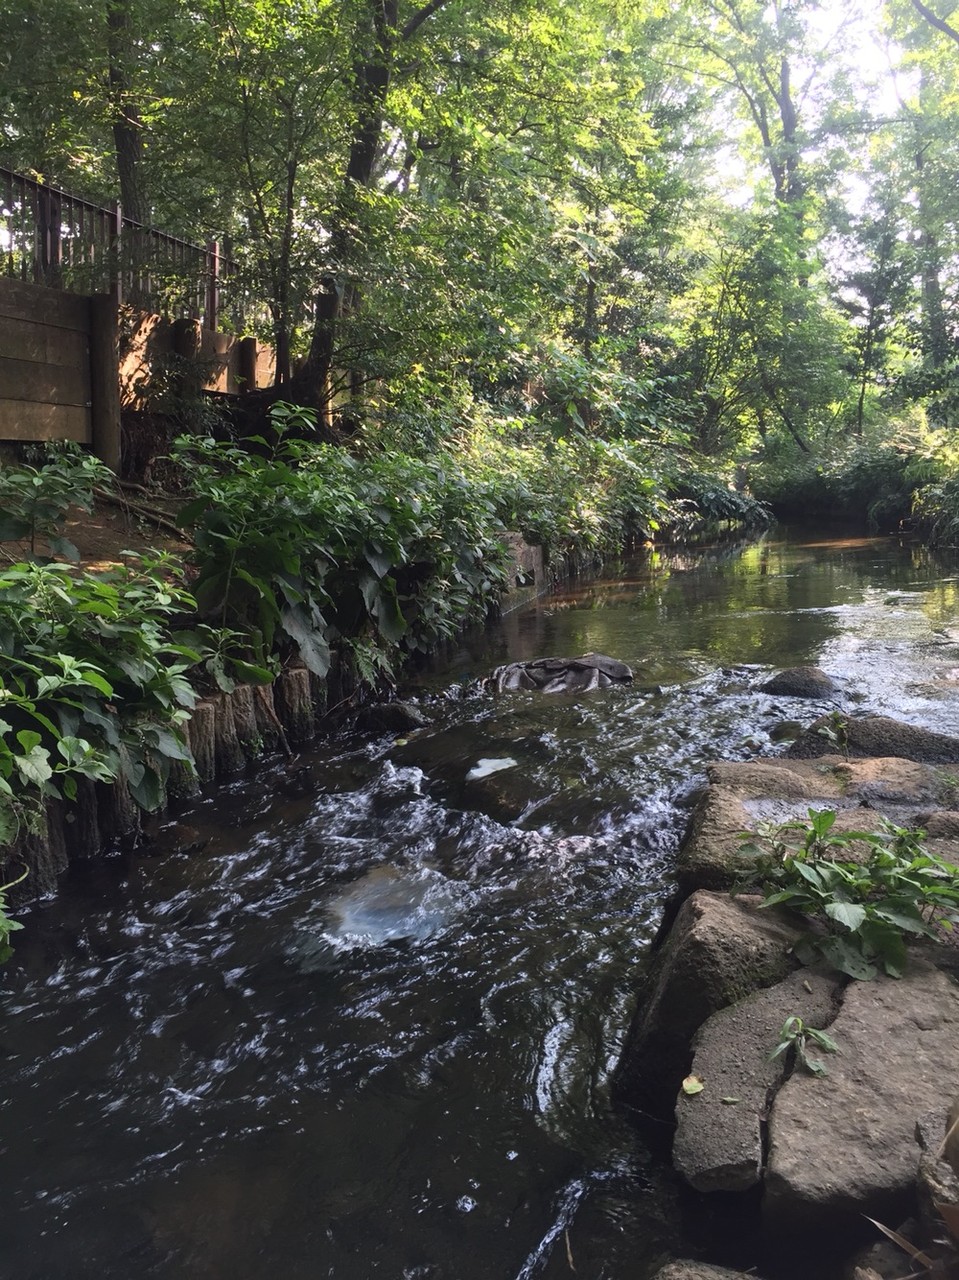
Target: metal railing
{"type": "Point", "coordinates": [53, 238]}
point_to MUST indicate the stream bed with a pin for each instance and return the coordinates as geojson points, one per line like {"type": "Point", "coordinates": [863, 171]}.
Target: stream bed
{"type": "Point", "coordinates": [356, 1017]}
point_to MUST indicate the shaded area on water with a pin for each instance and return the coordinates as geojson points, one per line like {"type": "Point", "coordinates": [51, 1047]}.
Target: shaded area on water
{"type": "Point", "coordinates": [367, 1029]}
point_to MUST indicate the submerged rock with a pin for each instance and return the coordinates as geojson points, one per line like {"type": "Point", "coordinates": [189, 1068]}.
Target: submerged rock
{"type": "Point", "coordinates": [389, 717]}
{"type": "Point", "coordinates": [387, 904]}
{"type": "Point", "coordinates": [561, 675]}
{"type": "Point", "coordinates": [800, 682]}
{"type": "Point", "coordinates": [683, 1270]}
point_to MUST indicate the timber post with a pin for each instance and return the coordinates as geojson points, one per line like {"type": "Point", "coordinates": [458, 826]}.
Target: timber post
{"type": "Point", "coordinates": [247, 365]}
{"type": "Point", "coordinates": [105, 379]}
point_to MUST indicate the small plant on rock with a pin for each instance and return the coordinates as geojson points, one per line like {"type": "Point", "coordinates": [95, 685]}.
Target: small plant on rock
{"type": "Point", "coordinates": [865, 908]}
{"type": "Point", "coordinates": [797, 1036]}
{"type": "Point", "coordinates": [836, 732]}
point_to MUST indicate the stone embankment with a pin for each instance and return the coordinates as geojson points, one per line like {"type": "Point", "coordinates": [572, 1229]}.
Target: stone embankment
{"type": "Point", "coordinates": [819, 1152]}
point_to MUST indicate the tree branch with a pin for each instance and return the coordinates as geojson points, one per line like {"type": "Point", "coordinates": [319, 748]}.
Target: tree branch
{"type": "Point", "coordinates": [935, 21]}
{"type": "Point", "coordinates": [419, 17]}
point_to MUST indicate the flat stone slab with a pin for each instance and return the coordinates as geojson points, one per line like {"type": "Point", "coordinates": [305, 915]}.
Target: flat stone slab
{"type": "Point", "coordinates": [717, 952]}
{"type": "Point", "coordinates": [719, 1135]}
{"type": "Point", "coordinates": [742, 795]}
{"type": "Point", "coordinates": [844, 1145]}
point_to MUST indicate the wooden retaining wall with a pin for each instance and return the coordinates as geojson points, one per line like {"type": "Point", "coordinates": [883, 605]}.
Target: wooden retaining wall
{"type": "Point", "coordinates": [46, 386]}
{"type": "Point", "coordinates": [69, 363]}
{"type": "Point", "coordinates": [210, 361]}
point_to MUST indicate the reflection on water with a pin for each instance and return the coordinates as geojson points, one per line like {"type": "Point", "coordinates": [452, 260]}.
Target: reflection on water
{"type": "Point", "coordinates": [367, 1030]}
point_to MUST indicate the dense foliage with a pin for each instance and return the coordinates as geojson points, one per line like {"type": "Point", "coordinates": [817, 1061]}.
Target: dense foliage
{"type": "Point", "coordinates": [299, 549]}
{"type": "Point", "coordinates": [91, 683]}
{"type": "Point", "coordinates": [727, 228]}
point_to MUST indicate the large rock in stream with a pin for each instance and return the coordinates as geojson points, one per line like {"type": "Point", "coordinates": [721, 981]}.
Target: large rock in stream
{"type": "Point", "coordinates": [717, 952]}
{"type": "Point", "coordinates": [844, 1145]}
{"type": "Point", "coordinates": [801, 682]}
{"type": "Point", "coordinates": [877, 736]}
{"type": "Point", "coordinates": [719, 1132]}
{"type": "Point", "coordinates": [742, 795]}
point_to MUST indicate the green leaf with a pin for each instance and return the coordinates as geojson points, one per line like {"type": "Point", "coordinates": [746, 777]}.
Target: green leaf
{"type": "Point", "coordinates": [843, 955]}
{"type": "Point", "coordinates": [849, 914]}
{"type": "Point", "coordinates": [311, 643]}
{"type": "Point", "coordinates": [35, 766]}
{"type": "Point", "coordinates": [823, 1039]}
{"type": "Point", "coordinates": [379, 562]}
{"type": "Point", "coordinates": [98, 682]}
{"type": "Point", "coordinates": [147, 789]}
{"type": "Point", "coordinates": [64, 547]}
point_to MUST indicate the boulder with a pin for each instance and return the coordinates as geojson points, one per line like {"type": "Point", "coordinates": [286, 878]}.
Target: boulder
{"type": "Point", "coordinates": [561, 675]}
{"type": "Point", "coordinates": [738, 796]}
{"type": "Point", "coordinates": [800, 682]}
{"type": "Point", "coordinates": [844, 1145]}
{"type": "Point", "coordinates": [717, 952]}
{"type": "Point", "coordinates": [951, 1150]}
{"type": "Point", "coordinates": [719, 1132]}
{"type": "Point", "coordinates": [878, 736]}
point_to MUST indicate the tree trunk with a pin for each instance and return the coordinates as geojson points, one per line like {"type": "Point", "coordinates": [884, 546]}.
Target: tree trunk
{"type": "Point", "coordinates": [127, 125]}
{"type": "Point", "coordinates": [340, 296]}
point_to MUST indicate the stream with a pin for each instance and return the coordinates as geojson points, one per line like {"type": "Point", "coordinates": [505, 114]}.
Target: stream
{"type": "Point", "coordinates": [356, 1017]}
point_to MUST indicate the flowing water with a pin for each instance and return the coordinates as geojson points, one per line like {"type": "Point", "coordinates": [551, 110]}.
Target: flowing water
{"type": "Point", "coordinates": [356, 1018]}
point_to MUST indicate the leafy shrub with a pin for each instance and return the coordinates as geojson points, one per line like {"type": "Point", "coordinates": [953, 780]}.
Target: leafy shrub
{"type": "Point", "coordinates": [90, 684]}
{"type": "Point", "coordinates": [577, 496]}
{"type": "Point", "coordinates": [702, 501]}
{"type": "Point", "coordinates": [7, 924]}
{"type": "Point", "coordinates": [302, 545]}
{"type": "Point", "coordinates": [34, 500]}
{"type": "Point", "coordinates": [869, 908]}
{"type": "Point", "coordinates": [869, 481]}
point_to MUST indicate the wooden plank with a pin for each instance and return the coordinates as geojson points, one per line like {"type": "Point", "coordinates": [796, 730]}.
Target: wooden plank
{"type": "Point", "coordinates": [45, 383]}
{"type": "Point", "coordinates": [20, 420]}
{"type": "Point", "coordinates": [40, 305]}
{"type": "Point", "coordinates": [42, 343]}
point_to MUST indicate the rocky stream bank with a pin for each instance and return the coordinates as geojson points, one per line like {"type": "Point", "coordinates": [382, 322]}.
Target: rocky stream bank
{"type": "Point", "coordinates": [817, 1154]}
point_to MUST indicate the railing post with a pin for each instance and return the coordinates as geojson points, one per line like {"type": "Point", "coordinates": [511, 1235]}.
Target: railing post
{"type": "Point", "coordinates": [116, 270]}
{"type": "Point", "coordinates": [48, 218]}
{"type": "Point", "coordinates": [213, 284]}
{"type": "Point", "coordinates": [247, 363]}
